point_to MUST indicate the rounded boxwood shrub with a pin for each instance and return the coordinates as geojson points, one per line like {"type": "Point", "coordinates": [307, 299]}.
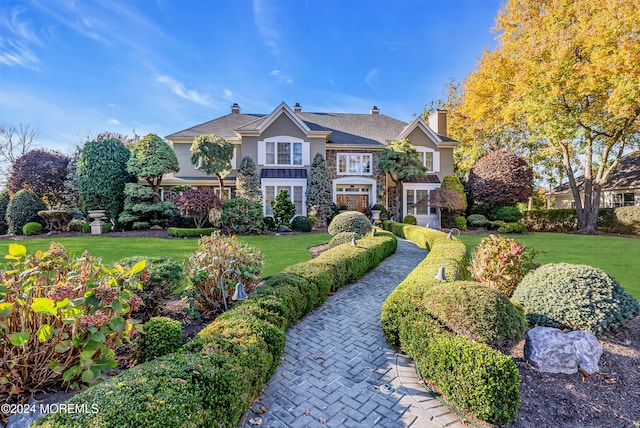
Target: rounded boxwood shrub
{"type": "Point", "coordinates": [477, 220]}
{"type": "Point", "coordinates": [476, 311]}
{"type": "Point", "coordinates": [301, 224]}
{"type": "Point", "coordinates": [31, 228]}
{"type": "Point", "coordinates": [508, 214]}
{"type": "Point", "coordinates": [459, 222]}
{"type": "Point", "coordinates": [577, 297]}
{"type": "Point", "coordinates": [350, 221]}
{"type": "Point", "coordinates": [409, 219]}
{"type": "Point", "coordinates": [22, 209]}
{"type": "Point", "coordinates": [160, 336]}
{"type": "Point", "coordinates": [342, 238]}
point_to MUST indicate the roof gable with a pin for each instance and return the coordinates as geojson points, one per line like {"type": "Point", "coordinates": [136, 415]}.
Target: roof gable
{"type": "Point", "coordinates": [265, 122]}
{"type": "Point", "coordinates": [420, 124]}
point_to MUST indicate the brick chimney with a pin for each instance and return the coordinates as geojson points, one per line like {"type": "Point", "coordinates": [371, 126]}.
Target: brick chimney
{"type": "Point", "coordinates": [235, 108]}
{"type": "Point", "coordinates": [374, 110]}
{"type": "Point", "coordinates": [438, 122]}
{"type": "Point", "coordinates": [297, 108]}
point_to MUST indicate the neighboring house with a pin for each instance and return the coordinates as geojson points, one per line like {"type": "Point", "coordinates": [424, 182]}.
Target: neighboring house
{"type": "Point", "coordinates": [283, 143]}
{"type": "Point", "coordinates": [621, 189]}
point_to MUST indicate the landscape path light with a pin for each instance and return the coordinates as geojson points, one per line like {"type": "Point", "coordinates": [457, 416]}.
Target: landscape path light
{"type": "Point", "coordinates": [441, 275]}
{"type": "Point", "coordinates": [450, 235]}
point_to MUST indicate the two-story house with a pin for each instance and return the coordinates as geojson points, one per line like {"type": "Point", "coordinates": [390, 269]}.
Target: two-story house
{"type": "Point", "coordinates": [283, 143]}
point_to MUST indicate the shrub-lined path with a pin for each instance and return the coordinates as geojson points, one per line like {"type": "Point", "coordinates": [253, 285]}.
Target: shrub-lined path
{"type": "Point", "coordinates": [336, 364]}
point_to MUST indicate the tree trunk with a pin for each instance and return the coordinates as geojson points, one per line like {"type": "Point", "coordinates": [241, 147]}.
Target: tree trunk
{"type": "Point", "coordinates": [398, 210]}
{"type": "Point", "coordinates": [221, 187]}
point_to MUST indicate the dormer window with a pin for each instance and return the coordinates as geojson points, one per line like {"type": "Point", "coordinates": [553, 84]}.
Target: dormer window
{"type": "Point", "coordinates": [283, 151]}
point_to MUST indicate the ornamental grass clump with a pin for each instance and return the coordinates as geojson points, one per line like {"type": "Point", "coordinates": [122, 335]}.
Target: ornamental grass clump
{"type": "Point", "coordinates": [61, 318]}
{"type": "Point", "coordinates": [221, 260]}
{"type": "Point", "coordinates": [501, 263]}
{"type": "Point", "coordinates": [577, 297]}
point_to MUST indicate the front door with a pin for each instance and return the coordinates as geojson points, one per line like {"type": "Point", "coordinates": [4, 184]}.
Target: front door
{"type": "Point", "coordinates": [353, 202]}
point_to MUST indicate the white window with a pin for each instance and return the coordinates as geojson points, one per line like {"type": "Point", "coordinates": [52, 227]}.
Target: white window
{"type": "Point", "coordinates": [354, 163]}
{"type": "Point", "coordinates": [283, 151]}
{"type": "Point", "coordinates": [295, 188]}
{"type": "Point", "coordinates": [430, 159]}
{"type": "Point", "coordinates": [418, 202]}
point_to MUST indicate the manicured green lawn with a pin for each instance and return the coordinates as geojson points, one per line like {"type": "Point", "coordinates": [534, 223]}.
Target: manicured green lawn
{"type": "Point", "coordinates": [618, 256]}
{"type": "Point", "coordinates": [278, 251]}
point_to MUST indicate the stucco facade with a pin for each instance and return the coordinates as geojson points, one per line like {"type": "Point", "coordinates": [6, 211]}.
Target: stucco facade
{"type": "Point", "coordinates": [283, 143]}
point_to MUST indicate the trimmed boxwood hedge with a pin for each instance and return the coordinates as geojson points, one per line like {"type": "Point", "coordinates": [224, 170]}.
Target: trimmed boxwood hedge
{"type": "Point", "coordinates": [476, 378]}
{"type": "Point", "coordinates": [179, 232]}
{"type": "Point", "coordinates": [215, 377]}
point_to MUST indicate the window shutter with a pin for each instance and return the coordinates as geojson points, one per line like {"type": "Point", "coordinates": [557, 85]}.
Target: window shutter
{"type": "Point", "coordinates": [436, 161]}
{"type": "Point", "coordinates": [306, 153]}
{"type": "Point", "coordinates": [262, 152]}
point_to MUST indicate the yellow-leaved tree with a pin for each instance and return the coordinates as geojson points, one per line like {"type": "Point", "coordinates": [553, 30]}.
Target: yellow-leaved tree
{"type": "Point", "coordinates": [566, 72]}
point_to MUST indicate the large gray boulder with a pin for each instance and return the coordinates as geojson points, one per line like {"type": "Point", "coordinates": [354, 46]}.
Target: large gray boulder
{"type": "Point", "coordinates": [551, 351]}
{"type": "Point", "coordinates": [588, 350]}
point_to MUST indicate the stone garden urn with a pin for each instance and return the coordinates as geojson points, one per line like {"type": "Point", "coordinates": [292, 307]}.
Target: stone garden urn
{"type": "Point", "coordinates": [375, 215]}
{"type": "Point", "coordinates": [96, 224]}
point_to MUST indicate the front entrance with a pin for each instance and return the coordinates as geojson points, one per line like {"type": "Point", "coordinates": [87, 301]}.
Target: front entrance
{"type": "Point", "coordinates": [354, 197]}
{"type": "Point", "coordinates": [353, 202]}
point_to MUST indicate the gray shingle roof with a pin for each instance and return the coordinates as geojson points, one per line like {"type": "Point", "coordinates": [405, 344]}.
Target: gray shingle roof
{"type": "Point", "coordinates": [626, 175]}
{"type": "Point", "coordinates": [223, 126]}
{"type": "Point", "coordinates": [346, 128]}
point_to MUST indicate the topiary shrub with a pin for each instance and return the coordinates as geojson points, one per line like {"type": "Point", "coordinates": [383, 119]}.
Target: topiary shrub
{"type": "Point", "coordinates": [342, 238]}
{"type": "Point", "coordinates": [165, 276]}
{"type": "Point", "coordinates": [477, 220]}
{"type": "Point", "coordinates": [31, 228]}
{"type": "Point", "coordinates": [409, 219]}
{"type": "Point", "coordinates": [160, 336]}
{"type": "Point", "coordinates": [501, 263]}
{"type": "Point", "coordinates": [476, 311]}
{"type": "Point", "coordinates": [22, 209]}
{"type": "Point", "coordinates": [350, 221]}
{"type": "Point", "coordinates": [242, 216]}
{"type": "Point", "coordinates": [460, 222]}
{"type": "Point", "coordinates": [301, 224]}
{"type": "Point", "coordinates": [507, 214]}
{"type": "Point", "coordinates": [577, 297]}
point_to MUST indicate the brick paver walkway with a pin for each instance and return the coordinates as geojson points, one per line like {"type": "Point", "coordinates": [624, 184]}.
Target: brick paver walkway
{"type": "Point", "coordinates": [336, 364]}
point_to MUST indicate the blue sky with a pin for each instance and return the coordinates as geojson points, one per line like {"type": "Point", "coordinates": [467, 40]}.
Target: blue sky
{"type": "Point", "coordinates": [75, 68]}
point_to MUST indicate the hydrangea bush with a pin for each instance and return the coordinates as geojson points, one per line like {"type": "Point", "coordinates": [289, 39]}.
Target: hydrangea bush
{"type": "Point", "coordinates": [61, 318]}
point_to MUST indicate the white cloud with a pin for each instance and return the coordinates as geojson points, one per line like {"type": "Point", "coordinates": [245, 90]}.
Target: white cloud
{"type": "Point", "coordinates": [179, 89]}
{"type": "Point", "coordinates": [113, 121]}
{"type": "Point", "coordinates": [18, 36]}
{"type": "Point", "coordinates": [281, 78]}
{"type": "Point", "coordinates": [371, 77]}
{"type": "Point", "coordinates": [267, 25]}
{"type": "Point", "coordinates": [227, 94]}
